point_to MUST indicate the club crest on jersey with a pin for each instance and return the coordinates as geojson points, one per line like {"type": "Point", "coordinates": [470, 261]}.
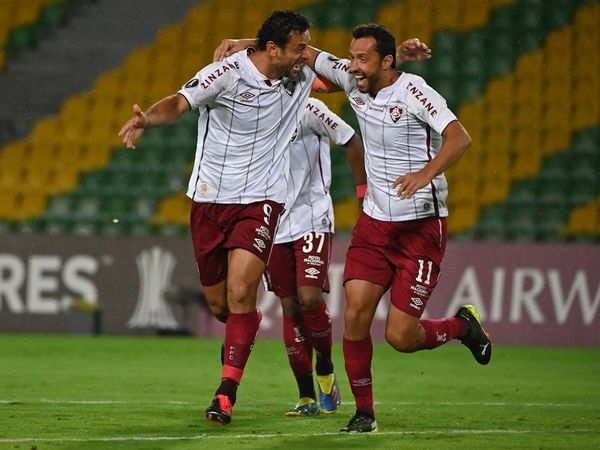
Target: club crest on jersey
{"type": "Point", "coordinates": [395, 113]}
{"type": "Point", "coordinates": [202, 189]}
{"type": "Point", "coordinates": [289, 86]}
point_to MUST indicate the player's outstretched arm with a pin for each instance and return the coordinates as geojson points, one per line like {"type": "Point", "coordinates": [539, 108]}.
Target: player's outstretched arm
{"type": "Point", "coordinates": [455, 141]}
{"type": "Point", "coordinates": [163, 112]}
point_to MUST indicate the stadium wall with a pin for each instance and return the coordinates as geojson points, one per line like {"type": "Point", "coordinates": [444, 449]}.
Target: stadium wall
{"type": "Point", "coordinates": [539, 294]}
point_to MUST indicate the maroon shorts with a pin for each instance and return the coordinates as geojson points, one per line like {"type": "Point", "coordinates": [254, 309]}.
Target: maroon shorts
{"type": "Point", "coordinates": [402, 256]}
{"type": "Point", "coordinates": [303, 262]}
{"type": "Point", "coordinates": [217, 228]}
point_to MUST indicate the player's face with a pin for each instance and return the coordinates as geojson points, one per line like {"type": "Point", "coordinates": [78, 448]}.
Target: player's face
{"type": "Point", "coordinates": [292, 58]}
{"type": "Point", "coordinates": [366, 65]}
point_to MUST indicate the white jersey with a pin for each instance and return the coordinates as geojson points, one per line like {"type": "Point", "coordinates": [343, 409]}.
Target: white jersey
{"type": "Point", "coordinates": [401, 130]}
{"type": "Point", "coordinates": [308, 205]}
{"type": "Point", "coordinates": [246, 122]}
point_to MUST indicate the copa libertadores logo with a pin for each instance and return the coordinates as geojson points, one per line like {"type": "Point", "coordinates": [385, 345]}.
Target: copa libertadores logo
{"type": "Point", "coordinates": [155, 267]}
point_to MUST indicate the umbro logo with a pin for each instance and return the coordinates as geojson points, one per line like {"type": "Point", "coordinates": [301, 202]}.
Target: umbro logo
{"type": "Point", "coordinates": [247, 96]}
{"type": "Point", "coordinates": [416, 303]}
{"type": "Point", "coordinates": [259, 245]}
{"type": "Point", "coordinates": [359, 101]}
{"type": "Point", "coordinates": [311, 272]}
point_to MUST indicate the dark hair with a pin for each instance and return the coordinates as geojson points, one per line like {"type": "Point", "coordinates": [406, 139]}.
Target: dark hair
{"type": "Point", "coordinates": [279, 28]}
{"type": "Point", "coordinates": [386, 42]}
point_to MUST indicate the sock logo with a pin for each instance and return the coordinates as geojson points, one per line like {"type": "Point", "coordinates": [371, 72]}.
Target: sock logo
{"type": "Point", "coordinates": [441, 337]}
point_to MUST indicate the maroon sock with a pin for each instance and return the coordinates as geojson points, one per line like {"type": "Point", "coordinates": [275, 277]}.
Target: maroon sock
{"type": "Point", "coordinates": [440, 331]}
{"type": "Point", "coordinates": [297, 345]}
{"type": "Point", "coordinates": [357, 357]}
{"type": "Point", "coordinates": [240, 333]}
{"type": "Point", "coordinates": [317, 320]}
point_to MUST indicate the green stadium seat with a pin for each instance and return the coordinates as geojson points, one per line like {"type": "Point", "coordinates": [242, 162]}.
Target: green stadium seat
{"type": "Point", "coordinates": [550, 223]}
{"type": "Point", "coordinates": [20, 39]}
{"type": "Point", "coordinates": [492, 224]}
{"type": "Point", "coordinates": [53, 15]}
{"type": "Point", "coordinates": [59, 208]}
{"type": "Point", "coordinates": [84, 229]}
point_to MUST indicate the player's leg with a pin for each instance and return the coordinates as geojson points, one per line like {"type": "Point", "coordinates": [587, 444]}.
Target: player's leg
{"type": "Point", "coordinates": [280, 278]}
{"type": "Point", "coordinates": [299, 350]}
{"type": "Point", "coordinates": [312, 262]}
{"type": "Point", "coordinates": [421, 245]}
{"type": "Point", "coordinates": [367, 276]}
{"type": "Point", "coordinates": [318, 324]}
{"type": "Point", "coordinates": [250, 242]}
{"type": "Point", "coordinates": [362, 298]}
{"type": "Point", "coordinates": [211, 257]}
{"type": "Point", "coordinates": [216, 298]}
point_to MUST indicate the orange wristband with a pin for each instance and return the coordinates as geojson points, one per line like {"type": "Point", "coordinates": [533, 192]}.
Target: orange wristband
{"type": "Point", "coordinates": [361, 190]}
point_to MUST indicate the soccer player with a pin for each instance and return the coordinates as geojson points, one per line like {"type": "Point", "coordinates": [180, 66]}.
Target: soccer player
{"type": "Point", "coordinates": [249, 110]}
{"type": "Point", "coordinates": [297, 270]}
{"type": "Point", "coordinates": [410, 138]}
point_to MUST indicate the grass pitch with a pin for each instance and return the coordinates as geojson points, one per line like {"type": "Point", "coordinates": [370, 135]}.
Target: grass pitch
{"type": "Point", "coordinates": [62, 392]}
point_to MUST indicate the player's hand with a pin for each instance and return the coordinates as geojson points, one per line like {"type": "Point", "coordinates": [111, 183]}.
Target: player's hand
{"type": "Point", "coordinates": [228, 47]}
{"type": "Point", "coordinates": [134, 127]}
{"type": "Point", "coordinates": [411, 182]}
{"type": "Point", "coordinates": [412, 50]}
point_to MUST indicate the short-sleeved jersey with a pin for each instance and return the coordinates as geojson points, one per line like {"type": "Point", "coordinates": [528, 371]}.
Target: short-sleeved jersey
{"type": "Point", "coordinates": [308, 204]}
{"type": "Point", "coordinates": [401, 129]}
{"type": "Point", "coordinates": [245, 124]}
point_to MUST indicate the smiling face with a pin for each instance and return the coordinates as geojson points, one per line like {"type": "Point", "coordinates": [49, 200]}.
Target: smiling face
{"type": "Point", "coordinates": [290, 59]}
{"type": "Point", "coordinates": [372, 72]}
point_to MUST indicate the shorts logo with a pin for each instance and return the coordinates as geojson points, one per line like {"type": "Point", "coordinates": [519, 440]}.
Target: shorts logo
{"type": "Point", "coordinates": [416, 303]}
{"type": "Point", "coordinates": [259, 245]}
{"type": "Point", "coordinates": [202, 189]}
{"type": "Point", "coordinates": [264, 232]}
{"type": "Point", "coordinates": [359, 101]}
{"type": "Point", "coordinates": [426, 206]}
{"type": "Point", "coordinates": [395, 113]}
{"type": "Point", "coordinates": [311, 272]}
{"type": "Point", "coordinates": [313, 260]}
{"type": "Point", "coordinates": [419, 289]}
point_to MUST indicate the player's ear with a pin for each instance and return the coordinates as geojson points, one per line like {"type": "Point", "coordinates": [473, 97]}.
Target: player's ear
{"type": "Point", "coordinates": [386, 62]}
{"type": "Point", "coordinates": [272, 49]}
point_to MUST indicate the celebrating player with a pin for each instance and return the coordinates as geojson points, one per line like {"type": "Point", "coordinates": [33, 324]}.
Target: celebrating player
{"type": "Point", "coordinates": [249, 110]}
{"type": "Point", "coordinates": [297, 270]}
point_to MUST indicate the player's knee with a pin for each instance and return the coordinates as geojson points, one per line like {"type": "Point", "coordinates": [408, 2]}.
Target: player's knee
{"type": "Point", "coordinates": [289, 307]}
{"type": "Point", "coordinates": [310, 301]}
{"type": "Point", "coordinates": [239, 293]}
{"type": "Point", "coordinates": [402, 341]}
{"type": "Point", "coordinates": [219, 311]}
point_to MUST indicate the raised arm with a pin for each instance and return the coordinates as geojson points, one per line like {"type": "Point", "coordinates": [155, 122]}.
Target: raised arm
{"type": "Point", "coordinates": [163, 112]}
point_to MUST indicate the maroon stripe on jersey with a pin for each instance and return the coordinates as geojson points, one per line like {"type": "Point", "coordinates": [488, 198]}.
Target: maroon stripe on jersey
{"type": "Point", "coordinates": [323, 178]}
{"type": "Point", "coordinates": [202, 151]}
{"type": "Point", "coordinates": [435, 201]}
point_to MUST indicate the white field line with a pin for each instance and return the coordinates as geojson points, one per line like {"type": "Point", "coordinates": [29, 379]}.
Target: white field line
{"type": "Point", "coordinates": [256, 404]}
{"type": "Point", "coordinates": [205, 436]}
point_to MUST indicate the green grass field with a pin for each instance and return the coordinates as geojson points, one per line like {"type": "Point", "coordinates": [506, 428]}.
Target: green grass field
{"type": "Point", "coordinates": [85, 392]}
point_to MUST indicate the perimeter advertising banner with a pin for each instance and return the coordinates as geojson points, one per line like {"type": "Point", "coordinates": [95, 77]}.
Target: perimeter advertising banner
{"type": "Point", "coordinates": [527, 294]}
